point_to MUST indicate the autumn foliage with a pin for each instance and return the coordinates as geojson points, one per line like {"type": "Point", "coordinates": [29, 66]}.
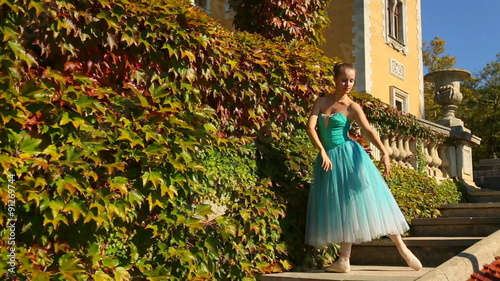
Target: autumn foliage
{"type": "Point", "coordinates": [284, 19]}
{"type": "Point", "coordinates": [117, 120]}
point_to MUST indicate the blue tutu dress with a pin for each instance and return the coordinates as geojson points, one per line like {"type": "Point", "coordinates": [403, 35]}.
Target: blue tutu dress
{"type": "Point", "coordinates": [350, 203]}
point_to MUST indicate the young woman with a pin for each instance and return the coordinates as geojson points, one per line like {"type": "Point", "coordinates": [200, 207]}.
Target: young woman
{"type": "Point", "coordinates": [349, 201]}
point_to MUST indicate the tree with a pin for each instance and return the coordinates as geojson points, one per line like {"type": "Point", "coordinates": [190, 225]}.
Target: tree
{"type": "Point", "coordinates": [480, 109]}
{"type": "Point", "coordinates": [288, 19]}
{"type": "Point", "coordinates": [433, 59]}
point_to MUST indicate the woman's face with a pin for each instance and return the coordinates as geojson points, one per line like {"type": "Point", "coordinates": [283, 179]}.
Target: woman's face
{"type": "Point", "coordinates": [345, 80]}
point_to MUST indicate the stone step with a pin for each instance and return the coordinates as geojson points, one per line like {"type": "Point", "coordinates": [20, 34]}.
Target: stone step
{"type": "Point", "coordinates": [455, 226]}
{"type": "Point", "coordinates": [432, 251]}
{"type": "Point", "coordinates": [483, 195]}
{"type": "Point", "coordinates": [489, 182]}
{"type": "Point", "coordinates": [488, 209]}
{"type": "Point", "coordinates": [358, 273]}
{"type": "Point", "coordinates": [486, 167]}
{"type": "Point", "coordinates": [493, 161]}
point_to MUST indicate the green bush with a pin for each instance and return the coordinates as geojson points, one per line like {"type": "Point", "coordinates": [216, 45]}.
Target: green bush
{"type": "Point", "coordinates": [420, 196]}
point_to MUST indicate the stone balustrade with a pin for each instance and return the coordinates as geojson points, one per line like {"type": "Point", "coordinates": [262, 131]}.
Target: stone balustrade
{"type": "Point", "coordinates": [450, 159]}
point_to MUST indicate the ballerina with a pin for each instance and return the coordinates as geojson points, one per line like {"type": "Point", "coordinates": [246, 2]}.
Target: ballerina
{"type": "Point", "coordinates": [349, 201]}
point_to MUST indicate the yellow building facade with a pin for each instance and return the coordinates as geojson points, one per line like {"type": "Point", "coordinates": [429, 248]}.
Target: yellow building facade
{"type": "Point", "coordinates": [381, 38]}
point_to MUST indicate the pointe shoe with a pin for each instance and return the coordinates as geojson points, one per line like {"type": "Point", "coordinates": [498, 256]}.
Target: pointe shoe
{"type": "Point", "coordinates": [411, 259]}
{"type": "Point", "coordinates": [339, 267]}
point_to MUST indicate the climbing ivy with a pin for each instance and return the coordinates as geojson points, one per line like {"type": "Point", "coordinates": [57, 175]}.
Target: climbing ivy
{"type": "Point", "coordinates": [286, 19]}
{"type": "Point", "coordinates": [110, 112]}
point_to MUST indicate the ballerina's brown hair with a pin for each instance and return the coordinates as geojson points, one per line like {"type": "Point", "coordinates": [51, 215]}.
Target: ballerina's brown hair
{"type": "Point", "coordinates": [340, 67]}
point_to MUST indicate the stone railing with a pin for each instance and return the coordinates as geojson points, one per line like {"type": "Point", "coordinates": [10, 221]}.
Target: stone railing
{"type": "Point", "coordinates": [453, 157]}
{"type": "Point", "coordinates": [450, 159]}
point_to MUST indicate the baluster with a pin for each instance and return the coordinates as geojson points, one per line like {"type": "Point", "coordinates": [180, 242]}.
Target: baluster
{"type": "Point", "coordinates": [402, 152]}
{"type": "Point", "coordinates": [395, 150]}
{"type": "Point", "coordinates": [445, 163]}
{"type": "Point", "coordinates": [409, 154]}
{"type": "Point", "coordinates": [436, 161]}
{"type": "Point", "coordinates": [428, 160]}
{"type": "Point", "coordinates": [414, 149]}
{"type": "Point", "coordinates": [385, 141]}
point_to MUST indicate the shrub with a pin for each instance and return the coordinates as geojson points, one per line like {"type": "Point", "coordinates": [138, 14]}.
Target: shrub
{"type": "Point", "coordinates": [420, 196]}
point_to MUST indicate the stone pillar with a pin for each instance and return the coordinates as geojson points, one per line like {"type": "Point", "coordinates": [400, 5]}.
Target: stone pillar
{"type": "Point", "coordinates": [464, 161]}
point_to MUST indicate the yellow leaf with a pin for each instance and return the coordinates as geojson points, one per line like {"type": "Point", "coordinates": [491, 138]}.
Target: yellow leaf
{"type": "Point", "coordinates": [189, 55]}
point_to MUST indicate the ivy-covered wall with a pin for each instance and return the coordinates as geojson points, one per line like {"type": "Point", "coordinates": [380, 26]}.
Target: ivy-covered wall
{"type": "Point", "coordinates": [138, 138]}
{"type": "Point", "coordinates": [129, 129]}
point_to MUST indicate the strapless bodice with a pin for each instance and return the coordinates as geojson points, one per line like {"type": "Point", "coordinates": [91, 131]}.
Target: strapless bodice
{"type": "Point", "coordinates": [333, 129]}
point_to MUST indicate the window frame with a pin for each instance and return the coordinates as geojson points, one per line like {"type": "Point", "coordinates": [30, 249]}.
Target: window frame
{"type": "Point", "coordinates": [398, 95]}
{"type": "Point", "coordinates": [396, 27]}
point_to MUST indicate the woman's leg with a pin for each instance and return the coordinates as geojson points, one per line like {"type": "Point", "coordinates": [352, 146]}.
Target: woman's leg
{"type": "Point", "coordinates": [409, 257]}
{"type": "Point", "coordinates": [342, 264]}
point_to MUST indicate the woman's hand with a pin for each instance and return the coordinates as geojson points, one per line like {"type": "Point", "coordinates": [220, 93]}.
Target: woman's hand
{"type": "Point", "coordinates": [327, 163]}
{"type": "Point", "coordinates": [386, 161]}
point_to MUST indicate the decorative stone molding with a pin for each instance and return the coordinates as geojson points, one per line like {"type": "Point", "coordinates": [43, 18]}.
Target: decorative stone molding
{"type": "Point", "coordinates": [397, 69]}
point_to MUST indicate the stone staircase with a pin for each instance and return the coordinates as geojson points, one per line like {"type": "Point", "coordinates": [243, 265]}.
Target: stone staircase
{"type": "Point", "coordinates": [487, 174]}
{"type": "Point", "coordinates": [434, 241]}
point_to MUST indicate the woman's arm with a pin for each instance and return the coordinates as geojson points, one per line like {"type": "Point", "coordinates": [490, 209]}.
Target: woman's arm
{"type": "Point", "coordinates": [368, 131]}
{"type": "Point", "coordinates": [313, 135]}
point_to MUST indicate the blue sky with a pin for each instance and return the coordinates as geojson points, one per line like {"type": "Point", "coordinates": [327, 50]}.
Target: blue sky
{"type": "Point", "coordinates": [471, 29]}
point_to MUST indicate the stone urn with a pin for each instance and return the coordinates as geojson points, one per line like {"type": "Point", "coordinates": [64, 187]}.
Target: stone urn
{"type": "Point", "coordinates": [447, 94]}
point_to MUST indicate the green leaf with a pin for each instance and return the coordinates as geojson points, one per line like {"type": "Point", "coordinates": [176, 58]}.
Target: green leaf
{"type": "Point", "coordinates": [121, 274]}
{"type": "Point", "coordinates": [21, 53]}
{"type": "Point", "coordinates": [5, 161]}
{"type": "Point", "coordinates": [135, 197]}
{"type": "Point", "coordinates": [120, 184]}
{"type": "Point", "coordinates": [77, 121]}
{"type": "Point", "coordinates": [154, 177]}
{"type": "Point", "coordinates": [76, 208]}
{"type": "Point", "coordinates": [194, 223]}
{"type": "Point", "coordinates": [39, 7]}
{"type": "Point", "coordinates": [111, 263]}
{"type": "Point", "coordinates": [86, 102]}
{"type": "Point", "coordinates": [70, 266]}
{"type": "Point", "coordinates": [209, 127]}
{"type": "Point", "coordinates": [170, 190]}
{"type": "Point", "coordinates": [101, 276]}
{"type": "Point", "coordinates": [29, 145]}
{"type": "Point", "coordinates": [126, 134]}
{"type": "Point", "coordinates": [204, 210]}
{"type": "Point", "coordinates": [211, 243]}
{"type": "Point", "coordinates": [68, 183]}
{"type": "Point", "coordinates": [154, 200]}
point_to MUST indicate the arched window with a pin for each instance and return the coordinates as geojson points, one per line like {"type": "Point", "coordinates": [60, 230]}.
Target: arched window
{"type": "Point", "coordinates": [395, 20]}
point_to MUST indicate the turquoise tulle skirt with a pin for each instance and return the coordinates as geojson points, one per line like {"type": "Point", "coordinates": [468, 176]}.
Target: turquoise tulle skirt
{"type": "Point", "coordinates": [352, 202]}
